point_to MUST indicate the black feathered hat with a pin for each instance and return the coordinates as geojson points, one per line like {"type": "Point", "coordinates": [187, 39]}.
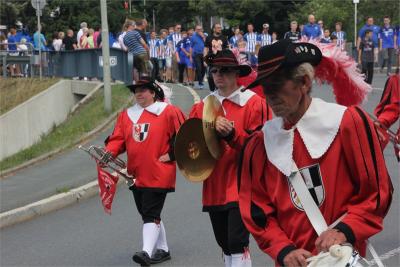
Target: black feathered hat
{"type": "Point", "coordinates": [284, 54]}
{"type": "Point", "coordinates": [147, 83]}
{"type": "Point", "coordinates": [226, 58]}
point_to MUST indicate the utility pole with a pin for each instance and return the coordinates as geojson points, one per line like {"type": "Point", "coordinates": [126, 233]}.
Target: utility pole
{"type": "Point", "coordinates": [39, 28]}
{"type": "Point", "coordinates": [39, 5]}
{"type": "Point", "coordinates": [154, 21]}
{"type": "Point", "coordinates": [355, 21]}
{"type": "Point", "coordinates": [106, 56]}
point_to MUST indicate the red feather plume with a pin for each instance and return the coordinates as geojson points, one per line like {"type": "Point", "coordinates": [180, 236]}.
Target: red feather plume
{"type": "Point", "coordinates": [340, 70]}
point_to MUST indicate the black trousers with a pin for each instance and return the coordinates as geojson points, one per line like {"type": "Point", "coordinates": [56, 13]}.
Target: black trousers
{"type": "Point", "coordinates": [181, 69]}
{"type": "Point", "coordinates": [200, 69]}
{"type": "Point", "coordinates": [149, 204]}
{"type": "Point", "coordinates": [155, 73]}
{"type": "Point", "coordinates": [368, 70]}
{"type": "Point", "coordinates": [388, 55]}
{"type": "Point", "coordinates": [210, 79]}
{"type": "Point", "coordinates": [229, 231]}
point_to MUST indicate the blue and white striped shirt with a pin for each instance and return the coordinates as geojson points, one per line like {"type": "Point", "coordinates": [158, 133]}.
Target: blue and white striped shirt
{"type": "Point", "coordinates": [233, 41]}
{"type": "Point", "coordinates": [341, 37]}
{"type": "Point", "coordinates": [251, 41]}
{"type": "Point", "coordinates": [175, 38]}
{"type": "Point", "coordinates": [265, 39]}
{"type": "Point", "coordinates": [153, 47]}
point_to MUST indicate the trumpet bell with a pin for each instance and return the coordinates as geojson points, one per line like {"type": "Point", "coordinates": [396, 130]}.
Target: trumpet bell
{"type": "Point", "coordinates": [211, 110]}
{"type": "Point", "coordinates": [191, 152]}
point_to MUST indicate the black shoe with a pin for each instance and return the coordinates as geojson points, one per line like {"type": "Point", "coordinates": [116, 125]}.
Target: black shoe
{"type": "Point", "coordinates": [142, 258]}
{"type": "Point", "coordinates": [160, 256]}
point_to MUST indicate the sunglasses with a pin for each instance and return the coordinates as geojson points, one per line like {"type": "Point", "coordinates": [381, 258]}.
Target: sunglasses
{"type": "Point", "coordinates": [223, 70]}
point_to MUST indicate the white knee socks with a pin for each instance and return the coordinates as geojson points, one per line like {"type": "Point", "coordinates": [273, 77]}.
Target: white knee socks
{"type": "Point", "coordinates": [227, 260]}
{"type": "Point", "coordinates": [151, 231]}
{"type": "Point", "coordinates": [241, 260]}
{"type": "Point", "coordinates": [162, 238]}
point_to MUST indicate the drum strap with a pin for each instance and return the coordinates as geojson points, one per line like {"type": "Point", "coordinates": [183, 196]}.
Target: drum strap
{"type": "Point", "coordinates": [312, 211]}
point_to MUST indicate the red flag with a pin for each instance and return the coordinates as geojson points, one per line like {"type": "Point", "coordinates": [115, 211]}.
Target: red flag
{"type": "Point", "coordinates": [108, 186]}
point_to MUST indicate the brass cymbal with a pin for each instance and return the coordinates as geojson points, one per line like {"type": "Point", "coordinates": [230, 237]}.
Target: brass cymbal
{"type": "Point", "coordinates": [211, 110]}
{"type": "Point", "coordinates": [191, 153]}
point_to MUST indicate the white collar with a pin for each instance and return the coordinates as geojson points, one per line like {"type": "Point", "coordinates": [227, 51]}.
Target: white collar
{"type": "Point", "coordinates": [317, 128]}
{"type": "Point", "coordinates": [136, 111]}
{"type": "Point", "coordinates": [238, 97]}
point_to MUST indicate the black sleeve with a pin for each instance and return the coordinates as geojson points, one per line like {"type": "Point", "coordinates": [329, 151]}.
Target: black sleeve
{"type": "Point", "coordinates": [207, 42]}
{"type": "Point", "coordinates": [224, 42]}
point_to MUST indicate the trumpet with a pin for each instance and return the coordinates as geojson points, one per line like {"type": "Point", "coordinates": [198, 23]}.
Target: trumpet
{"type": "Point", "coordinates": [100, 155]}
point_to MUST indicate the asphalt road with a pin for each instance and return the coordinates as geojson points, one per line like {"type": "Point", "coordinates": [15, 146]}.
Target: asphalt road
{"type": "Point", "coordinates": [83, 235]}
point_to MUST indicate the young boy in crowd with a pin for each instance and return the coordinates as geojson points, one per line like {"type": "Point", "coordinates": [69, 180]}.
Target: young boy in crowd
{"type": "Point", "coordinates": [366, 56]}
{"type": "Point", "coordinates": [327, 38]}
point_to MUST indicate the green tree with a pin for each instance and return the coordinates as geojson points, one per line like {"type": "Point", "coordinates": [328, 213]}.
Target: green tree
{"type": "Point", "coordinates": [332, 11]}
{"type": "Point", "coordinates": [60, 15]}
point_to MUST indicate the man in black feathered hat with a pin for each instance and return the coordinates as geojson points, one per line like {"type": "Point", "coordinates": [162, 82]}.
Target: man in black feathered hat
{"type": "Point", "coordinates": [331, 150]}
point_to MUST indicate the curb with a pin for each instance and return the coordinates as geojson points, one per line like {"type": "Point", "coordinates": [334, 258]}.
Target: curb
{"type": "Point", "coordinates": [61, 200]}
{"type": "Point", "coordinates": [47, 205]}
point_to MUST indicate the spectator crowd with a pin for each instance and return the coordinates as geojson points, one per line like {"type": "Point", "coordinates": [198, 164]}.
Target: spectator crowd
{"type": "Point", "coordinates": [175, 54]}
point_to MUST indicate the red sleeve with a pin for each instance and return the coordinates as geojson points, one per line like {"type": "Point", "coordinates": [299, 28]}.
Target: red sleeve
{"type": "Point", "coordinates": [196, 111]}
{"type": "Point", "coordinates": [373, 195]}
{"type": "Point", "coordinates": [256, 208]}
{"type": "Point", "coordinates": [177, 118]}
{"type": "Point", "coordinates": [258, 115]}
{"type": "Point", "coordinates": [388, 109]}
{"type": "Point", "coordinates": [115, 143]}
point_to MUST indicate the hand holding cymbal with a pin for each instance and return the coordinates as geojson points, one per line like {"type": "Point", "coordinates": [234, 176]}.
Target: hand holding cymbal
{"type": "Point", "coordinates": [223, 126]}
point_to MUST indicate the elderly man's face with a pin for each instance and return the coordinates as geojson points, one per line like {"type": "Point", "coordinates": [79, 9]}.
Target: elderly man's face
{"type": "Point", "coordinates": [283, 97]}
{"type": "Point", "coordinates": [311, 19]}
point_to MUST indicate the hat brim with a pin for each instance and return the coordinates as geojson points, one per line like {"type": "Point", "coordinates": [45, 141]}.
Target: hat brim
{"type": "Point", "coordinates": [261, 77]}
{"type": "Point", "coordinates": [149, 85]}
{"type": "Point", "coordinates": [244, 70]}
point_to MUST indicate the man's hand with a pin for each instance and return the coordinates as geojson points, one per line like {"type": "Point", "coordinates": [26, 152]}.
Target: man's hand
{"type": "Point", "coordinates": [165, 158]}
{"type": "Point", "coordinates": [381, 136]}
{"type": "Point", "coordinates": [329, 238]}
{"type": "Point", "coordinates": [296, 258]}
{"type": "Point", "coordinates": [223, 126]}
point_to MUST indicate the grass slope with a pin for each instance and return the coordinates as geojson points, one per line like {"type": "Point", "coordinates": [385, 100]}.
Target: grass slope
{"type": "Point", "coordinates": [82, 121]}
{"type": "Point", "coordinates": [16, 91]}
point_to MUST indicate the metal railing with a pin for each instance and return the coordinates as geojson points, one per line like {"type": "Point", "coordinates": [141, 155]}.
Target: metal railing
{"type": "Point", "coordinates": [22, 57]}
{"type": "Point", "coordinates": [75, 63]}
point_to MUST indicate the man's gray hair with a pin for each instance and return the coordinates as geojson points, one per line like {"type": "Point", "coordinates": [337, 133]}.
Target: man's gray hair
{"type": "Point", "coordinates": [83, 25]}
{"type": "Point", "coordinates": [302, 70]}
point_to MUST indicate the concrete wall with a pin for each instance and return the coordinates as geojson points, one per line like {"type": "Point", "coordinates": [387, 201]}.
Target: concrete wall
{"type": "Point", "coordinates": [23, 126]}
